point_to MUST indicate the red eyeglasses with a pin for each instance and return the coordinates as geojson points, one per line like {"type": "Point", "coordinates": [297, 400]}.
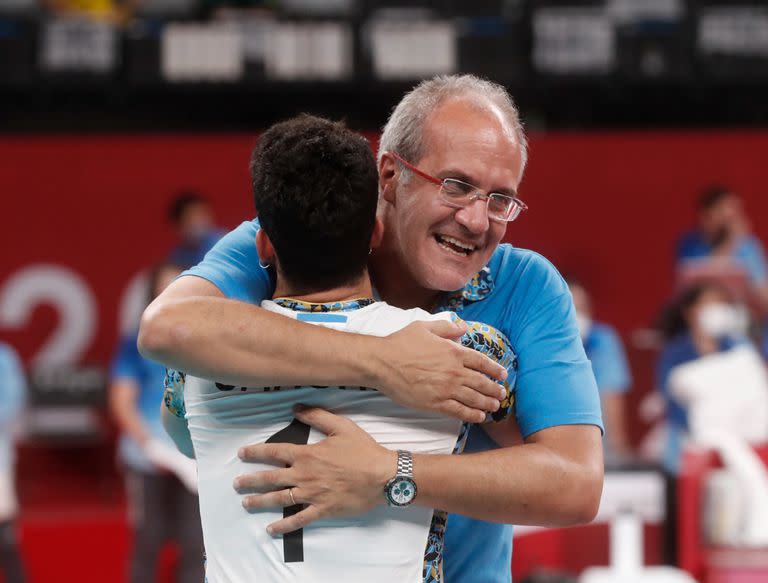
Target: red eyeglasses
{"type": "Point", "coordinates": [459, 194]}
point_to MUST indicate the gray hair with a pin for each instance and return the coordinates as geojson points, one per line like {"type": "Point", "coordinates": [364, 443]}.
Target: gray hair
{"type": "Point", "coordinates": [404, 129]}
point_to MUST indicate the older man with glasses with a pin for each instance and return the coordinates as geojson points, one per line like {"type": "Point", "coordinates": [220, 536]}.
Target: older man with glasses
{"type": "Point", "coordinates": [451, 159]}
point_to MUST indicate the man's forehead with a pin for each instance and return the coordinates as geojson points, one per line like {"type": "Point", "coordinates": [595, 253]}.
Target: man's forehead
{"type": "Point", "coordinates": [469, 114]}
{"type": "Point", "coordinates": [459, 110]}
{"type": "Point", "coordinates": [475, 144]}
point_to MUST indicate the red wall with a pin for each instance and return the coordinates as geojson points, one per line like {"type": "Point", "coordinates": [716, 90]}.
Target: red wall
{"type": "Point", "coordinates": [604, 206]}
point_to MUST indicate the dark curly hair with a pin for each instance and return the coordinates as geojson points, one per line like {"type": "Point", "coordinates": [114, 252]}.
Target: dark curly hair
{"type": "Point", "coordinates": [315, 188]}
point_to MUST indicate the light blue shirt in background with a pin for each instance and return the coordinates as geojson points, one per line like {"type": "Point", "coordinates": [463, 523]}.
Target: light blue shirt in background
{"type": "Point", "coordinates": [609, 361]}
{"type": "Point", "coordinates": [148, 377]}
{"type": "Point", "coordinates": [13, 397]}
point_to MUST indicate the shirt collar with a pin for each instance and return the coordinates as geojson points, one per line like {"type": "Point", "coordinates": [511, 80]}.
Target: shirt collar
{"type": "Point", "coordinates": [302, 306]}
{"type": "Point", "coordinates": [477, 289]}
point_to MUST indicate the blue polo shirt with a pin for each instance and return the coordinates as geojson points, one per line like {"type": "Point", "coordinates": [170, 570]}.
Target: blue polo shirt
{"type": "Point", "coordinates": [13, 393]}
{"type": "Point", "coordinates": [521, 294]}
{"type": "Point", "coordinates": [189, 253]}
{"type": "Point", "coordinates": [149, 379]}
{"type": "Point", "coordinates": [609, 361]}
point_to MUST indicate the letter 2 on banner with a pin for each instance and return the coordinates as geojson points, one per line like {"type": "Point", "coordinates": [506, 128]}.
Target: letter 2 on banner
{"type": "Point", "coordinates": [68, 293]}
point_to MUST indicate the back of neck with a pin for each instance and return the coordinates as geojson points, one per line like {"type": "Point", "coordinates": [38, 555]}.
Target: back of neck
{"type": "Point", "coordinates": [361, 288]}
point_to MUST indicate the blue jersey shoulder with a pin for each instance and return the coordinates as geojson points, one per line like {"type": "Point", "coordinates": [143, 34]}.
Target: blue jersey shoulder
{"type": "Point", "coordinates": [233, 266]}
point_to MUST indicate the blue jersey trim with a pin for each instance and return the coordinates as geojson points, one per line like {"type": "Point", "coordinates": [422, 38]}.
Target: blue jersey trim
{"type": "Point", "coordinates": [323, 318]}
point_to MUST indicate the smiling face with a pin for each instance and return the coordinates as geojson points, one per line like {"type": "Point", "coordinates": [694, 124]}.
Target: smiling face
{"type": "Point", "coordinates": [442, 247]}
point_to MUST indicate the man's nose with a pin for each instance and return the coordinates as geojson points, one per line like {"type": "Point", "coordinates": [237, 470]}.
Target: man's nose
{"type": "Point", "coordinates": [474, 216]}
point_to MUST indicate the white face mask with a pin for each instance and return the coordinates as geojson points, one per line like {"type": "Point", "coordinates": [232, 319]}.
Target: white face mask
{"type": "Point", "coordinates": [584, 323]}
{"type": "Point", "coordinates": [718, 320]}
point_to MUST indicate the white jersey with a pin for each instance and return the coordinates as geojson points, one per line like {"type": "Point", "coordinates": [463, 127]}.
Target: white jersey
{"type": "Point", "coordinates": [384, 545]}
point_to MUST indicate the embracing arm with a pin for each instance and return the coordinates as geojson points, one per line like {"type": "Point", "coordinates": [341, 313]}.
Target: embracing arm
{"type": "Point", "coordinates": [192, 327]}
{"type": "Point", "coordinates": [554, 479]}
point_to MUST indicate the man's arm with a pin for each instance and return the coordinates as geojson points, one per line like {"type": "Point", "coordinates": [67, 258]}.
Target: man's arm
{"type": "Point", "coordinates": [554, 479]}
{"type": "Point", "coordinates": [561, 485]}
{"type": "Point", "coordinates": [192, 327]}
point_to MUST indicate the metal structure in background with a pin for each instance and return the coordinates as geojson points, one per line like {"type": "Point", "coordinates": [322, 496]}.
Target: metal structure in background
{"type": "Point", "coordinates": [569, 62]}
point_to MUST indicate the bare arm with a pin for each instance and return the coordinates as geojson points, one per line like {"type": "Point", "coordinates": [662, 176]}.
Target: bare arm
{"type": "Point", "coordinates": [191, 327]}
{"type": "Point", "coordinates": [554, 479]}
{"type": "Point", "coordinates": [504, 433]}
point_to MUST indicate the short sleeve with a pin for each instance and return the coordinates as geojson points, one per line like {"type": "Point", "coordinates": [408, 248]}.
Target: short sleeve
{"type": "Point", "coordinates": [233, 266]}
{"type": "Point", "coordinates": [609, 362]}
{"type": "Point", "coordinates": [555, 382]}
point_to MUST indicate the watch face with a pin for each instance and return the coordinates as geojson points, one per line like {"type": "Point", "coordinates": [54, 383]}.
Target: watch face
{"type": "Point", "coordinates": [402, 491]}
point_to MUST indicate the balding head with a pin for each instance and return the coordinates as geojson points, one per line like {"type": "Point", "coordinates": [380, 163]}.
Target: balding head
{"type": "Point", "coordinates": [404, 131]}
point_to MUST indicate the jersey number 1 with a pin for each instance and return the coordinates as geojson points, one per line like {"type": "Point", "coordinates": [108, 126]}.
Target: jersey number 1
{"type": "Point", "coordinates": [293, 542]}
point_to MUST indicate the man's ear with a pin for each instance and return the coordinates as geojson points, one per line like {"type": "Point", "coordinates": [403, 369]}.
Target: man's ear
{"type": "Point", "coordinates": [378, 233]}
{"type": "Point", "coordinates": [388, 177]}
{"type": "Point", "coordinates": [265, 248]}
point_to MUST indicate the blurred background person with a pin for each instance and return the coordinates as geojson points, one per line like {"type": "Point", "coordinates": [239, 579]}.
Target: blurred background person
{"type": "Point", "coordinates": [609, 363]}
{"type": "Point", "coordinates": [192, 218]}
{"type": "Point", "coordinates": [724, 235]}
{"type": "Point", "coordinates": [161, 508]}
{"type": "Point", "coordinates": [13, 389]}
{"type": "Point", "coordinates": [703, 320]}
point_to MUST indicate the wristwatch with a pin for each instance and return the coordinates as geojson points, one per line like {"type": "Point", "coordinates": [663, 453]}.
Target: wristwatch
{"type": "Point", "coordinates": [401, 490]}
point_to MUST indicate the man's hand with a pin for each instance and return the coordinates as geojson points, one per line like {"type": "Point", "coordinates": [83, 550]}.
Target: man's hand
{"type": "Point", "coordinates": [343, 475]}
{"type": "Point", "coordinates": [424, 369]}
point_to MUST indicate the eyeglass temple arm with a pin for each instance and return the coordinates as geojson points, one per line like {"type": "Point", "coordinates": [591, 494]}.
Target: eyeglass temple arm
{"type": "Point", "coordinates": [415, 170]}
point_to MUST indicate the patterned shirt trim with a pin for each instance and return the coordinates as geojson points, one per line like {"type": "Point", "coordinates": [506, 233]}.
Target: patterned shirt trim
{"type": "Point", "coordinates": [495, 345]}
{"type": "Point", "coordinates": [302, 306]}
{"type": "Point", "coordinates": [477, 289]}
{"type": "Point", "coordinates": [173, 396]}
{"type": "Point", "coordinates": [433, 554]}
